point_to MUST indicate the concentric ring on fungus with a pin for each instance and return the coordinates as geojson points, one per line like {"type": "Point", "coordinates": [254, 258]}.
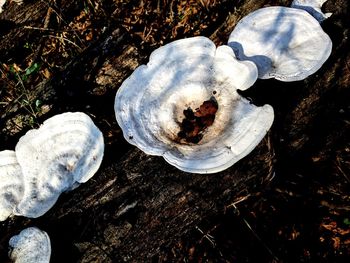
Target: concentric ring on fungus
{"type": "Point", "coordinates": [31, 245]}
{"type": "Point", "coordinates": [183, 105]}
{"type": "Point", "coordinates": [65, 151]}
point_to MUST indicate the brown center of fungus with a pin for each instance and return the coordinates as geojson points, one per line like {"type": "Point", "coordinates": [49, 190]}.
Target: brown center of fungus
{"type": "Point", "coordinates": [195, 123]}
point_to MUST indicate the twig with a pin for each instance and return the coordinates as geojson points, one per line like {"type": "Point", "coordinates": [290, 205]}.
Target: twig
{"type": "Point", "coordinates": [65, 39]}
{"type": "Point", "coordinates": [171, 11]}
{"type": "Point", "coordinates": [40, 46]}
{"type": "Point", "coordinates": [51, 29]}
{"type": "Point", "coordinates": [341, 170]}
{"type": "Point", "coordinates": [158, 7]}
{"type": "Point", "coordinates": [238, 201]}
{"type": "Point", "coordinates": [209, 237]}
{"type": "Point", "coordinates": [64, 21]}
{"type": "Point", "coordinates": [237, 212]}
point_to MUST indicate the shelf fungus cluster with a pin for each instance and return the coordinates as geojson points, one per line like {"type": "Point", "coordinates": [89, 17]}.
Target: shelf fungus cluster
{"type": "Point", "coordinates": [183, 105]}
{"type": "Point", "coordinates": [31, 245]}
{"type": "Point", "coordinates": [64, 152]}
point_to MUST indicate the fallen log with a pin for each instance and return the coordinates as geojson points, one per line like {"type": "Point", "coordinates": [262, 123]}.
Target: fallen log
{"type": "Point", "coordinates": [137, 206]}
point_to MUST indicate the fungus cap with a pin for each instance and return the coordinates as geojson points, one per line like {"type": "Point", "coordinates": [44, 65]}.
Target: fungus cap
{"type": "Point", "coordinates": [65, 151]}
{"type": "Point", "coordinates": [183, 78]}
{"type": "Point", "coordinates": [11, 183]}
{"type": "Point", "coordinates": [285, 43]}
{"type": "Point", "coordinates": [31, 245]}
{"type": "Point", "coordinates": [2, 2]}
{"type": "Point", "coordinates": [313, 7]}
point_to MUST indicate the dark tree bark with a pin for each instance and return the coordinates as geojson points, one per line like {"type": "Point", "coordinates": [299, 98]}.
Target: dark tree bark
{"type": "Point", "coordinates": [137, 206]}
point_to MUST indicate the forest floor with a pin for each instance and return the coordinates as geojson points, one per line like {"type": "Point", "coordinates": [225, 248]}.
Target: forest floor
{"type": "Point", "coordinates": [304, 213]}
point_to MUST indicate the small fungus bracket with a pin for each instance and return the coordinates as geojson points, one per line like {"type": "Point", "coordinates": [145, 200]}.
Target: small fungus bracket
{"type": "Point", "coordinates": [285, 43]}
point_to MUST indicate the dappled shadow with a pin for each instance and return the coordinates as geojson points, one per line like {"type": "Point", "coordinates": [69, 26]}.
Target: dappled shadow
{"type": "Point", "coordinates": [263, 63]}
{"type": "Point", "coordinates": [290, 207]}
{"type": "Point", "coordinates": [271, 47]}
{"type": "Point", "coordinates": [169, 68]}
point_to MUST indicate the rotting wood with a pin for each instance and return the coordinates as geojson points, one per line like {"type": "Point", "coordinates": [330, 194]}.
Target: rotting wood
{"type": "Point", "coordinates": [137, 206]}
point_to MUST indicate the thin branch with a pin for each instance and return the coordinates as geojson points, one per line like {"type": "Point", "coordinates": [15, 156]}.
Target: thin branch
{"type": "Point", "coordinates": [51, 29]}
{"type": "Point", "coordinates": [256, 235]}
{"type": "Point", "coordinates": [65, 39]}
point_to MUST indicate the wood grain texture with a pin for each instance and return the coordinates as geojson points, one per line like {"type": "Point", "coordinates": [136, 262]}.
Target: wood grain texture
{"type": "Point", "coordinates": [138, 206]}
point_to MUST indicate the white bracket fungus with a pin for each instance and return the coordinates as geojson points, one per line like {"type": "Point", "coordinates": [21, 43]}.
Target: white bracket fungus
{"type": "Point", "coordinates": [11, 183]}
{"type": "Point", "coordinates": [65, 151]}
{"type": "Point", "coordinates": [31, 245]}
{"type": "Point", "coordinates": [285, 43]}
{"type": "Point", "coordinates": [313, 7]}
{"type": "Point", "coordinates": [2, 2]}
{"type": "Point", "coordinates": [183, 105]}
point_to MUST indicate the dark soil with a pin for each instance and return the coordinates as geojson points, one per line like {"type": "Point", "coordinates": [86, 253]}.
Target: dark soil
{"type": "Point", "coordinates": [73, 56]}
